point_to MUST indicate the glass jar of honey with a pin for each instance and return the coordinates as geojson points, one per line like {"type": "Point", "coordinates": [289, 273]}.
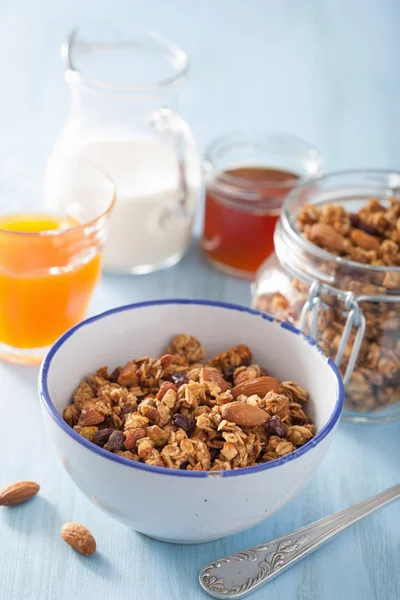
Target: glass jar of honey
{"type": "Point", "coordinates": [247, 177]}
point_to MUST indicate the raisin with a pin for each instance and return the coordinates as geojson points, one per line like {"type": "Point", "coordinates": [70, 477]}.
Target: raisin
{"type": "Point", "coordinates": [396, 378]}
{"type": "Point", "coordinates": [186, 423]}
{"type": "Point", "coordinates": [127, 410]}
{"type": "Point", "coordinates": [115, 441]}
{"type": "Point", "coordinates": [276, 427]}
{"type": "Point", "coordinates": [184, 465]}
{"type": "Point", "coordinates": [101, 437]}
{"type": "Point", "coordinates": [213, 453]}
{"type": "Point", "coordinates": [106, 424]}
{"type": "Point", "coordinates": [228, 373]}
{"type": "Point", "coordinates": [368, 229]}
{"type": "Point", "coordinates": [263, 372]}
{"type": "Point", "coordinates": [354, 220]}
{"type": "Point", "coordinates": [179, 378]}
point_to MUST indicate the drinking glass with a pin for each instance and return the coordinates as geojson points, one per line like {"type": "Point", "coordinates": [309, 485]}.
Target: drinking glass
{"type": "Point", "coordinates": [53, 223]}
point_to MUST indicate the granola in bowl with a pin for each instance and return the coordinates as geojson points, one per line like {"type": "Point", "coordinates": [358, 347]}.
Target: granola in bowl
{"type": "Point", "coordinates": [178, 412]}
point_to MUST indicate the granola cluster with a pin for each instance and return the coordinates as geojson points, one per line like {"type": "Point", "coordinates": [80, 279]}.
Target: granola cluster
{"type": "Point", "coordinates": [177, 412]}
{"type": "Point", "coordinates": [371, 236]}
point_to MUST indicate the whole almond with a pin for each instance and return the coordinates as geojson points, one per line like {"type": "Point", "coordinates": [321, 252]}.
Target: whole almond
{"type": "Point", "coordinates": [79, 538]}
{"type": "Point", "coordinates": [327, 237]}
{"type": "Point", "coordinates": [18, 492]}
{"type": "Point", "coordinates": [244, 414]}
{"type": "Point", "coordinates": [260, 386]}
{"type": "Point", "coordinates": [364, 240]}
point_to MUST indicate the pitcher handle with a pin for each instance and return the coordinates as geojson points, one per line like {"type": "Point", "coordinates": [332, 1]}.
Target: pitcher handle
{"type": "Point", "coordinates": [177, 133]}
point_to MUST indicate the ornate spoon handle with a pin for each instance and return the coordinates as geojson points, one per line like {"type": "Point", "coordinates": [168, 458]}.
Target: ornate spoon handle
{"type": "Point", "coordinates": [240, 574]}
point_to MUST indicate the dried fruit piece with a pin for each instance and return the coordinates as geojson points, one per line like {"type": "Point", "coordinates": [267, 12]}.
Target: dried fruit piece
{"type": "Point", "coordinates": [371, 229]}
{"type": "Point", "coordinates": [259, 386]}
{"type": "Point", "coordinates": [213, 453]}
{"type": "Point", "coordinates": [127, 410]}
{"type": "Point", "coordinates": [276, 427]}
{"type": "Point", "coordinates": [79, 538]}
{"type": "Point", "coordinates": [102, 436]}
{"type": "Point", "coordinates": [364, 240]}
{"type": "Point", "coordinates": [354, 219]}
{"type": "Point", "coordinates": [325, 236]}
{"type": "Point", "coordinates": [115, 441]}
{"type": "Point", "coordinates": [18, 492]}
{"type": "Point", "coordinates": [179, 378]}
{"type": "Point", "coordinates": [228, 373]}
{"type": "Point", "coordinates": [244, 414]}
{"type": "Point", "coordinates": [186, 423]}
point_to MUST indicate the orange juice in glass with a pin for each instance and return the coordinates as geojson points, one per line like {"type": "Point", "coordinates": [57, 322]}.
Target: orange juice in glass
{"type": "Point", "coordinates": [53, 224]}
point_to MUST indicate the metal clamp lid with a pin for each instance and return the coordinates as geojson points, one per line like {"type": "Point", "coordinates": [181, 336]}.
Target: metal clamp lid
{"type": "Point", "coordinates": [355, 318]}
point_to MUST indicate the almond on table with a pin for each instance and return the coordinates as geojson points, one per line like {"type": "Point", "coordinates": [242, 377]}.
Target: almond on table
{"type": "Point", "coordinates": [79, 538]}
{"type": "Point", "coordinates": [178, 412]}
{"type": "Point", "coordinates": [18, 492]}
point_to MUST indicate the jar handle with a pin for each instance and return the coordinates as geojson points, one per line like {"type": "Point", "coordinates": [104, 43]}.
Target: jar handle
{"type": "Point", "coordinates": [355, 318]}
{"type": "Point", "coordinates": [177, 133]}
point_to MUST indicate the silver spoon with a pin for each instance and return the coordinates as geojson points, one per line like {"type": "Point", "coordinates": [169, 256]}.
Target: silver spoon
{"type": "Point", "coordinates": [240, 574]}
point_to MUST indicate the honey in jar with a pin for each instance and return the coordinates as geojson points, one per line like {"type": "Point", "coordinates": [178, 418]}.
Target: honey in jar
{"type": "Point", "coordinates": [244, 195]}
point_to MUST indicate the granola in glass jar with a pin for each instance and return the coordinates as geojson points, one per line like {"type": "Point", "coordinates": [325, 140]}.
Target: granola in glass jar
{"type": "Point", "coordinates": [333, 236]}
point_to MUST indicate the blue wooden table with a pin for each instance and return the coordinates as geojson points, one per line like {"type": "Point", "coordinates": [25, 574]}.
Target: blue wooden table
{"type": "Point", "coordinates": [328, 71]}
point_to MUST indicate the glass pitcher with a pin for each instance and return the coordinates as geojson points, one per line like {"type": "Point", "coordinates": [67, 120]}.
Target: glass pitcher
{"type": "Point", "coordinates": [123, 83]}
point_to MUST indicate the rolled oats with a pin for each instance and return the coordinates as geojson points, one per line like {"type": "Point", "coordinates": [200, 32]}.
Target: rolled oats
{"type": "Point", "coordinates": [176, 412]}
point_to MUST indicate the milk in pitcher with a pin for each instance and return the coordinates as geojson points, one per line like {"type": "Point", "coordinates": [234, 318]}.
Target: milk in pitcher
{"type": "Point", "coordinates": [147, 229]}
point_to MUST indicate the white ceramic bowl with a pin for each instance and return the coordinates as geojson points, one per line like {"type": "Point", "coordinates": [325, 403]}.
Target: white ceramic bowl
{"type": "Point", "coordinates": [187, 506]}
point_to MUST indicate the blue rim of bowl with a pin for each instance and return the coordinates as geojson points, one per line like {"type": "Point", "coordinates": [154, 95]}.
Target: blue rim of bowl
{"type": "Point", "coordinates": [49, 406]}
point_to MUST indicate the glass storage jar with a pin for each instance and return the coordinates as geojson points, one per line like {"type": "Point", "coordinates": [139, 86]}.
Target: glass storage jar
{"type": "Point", "coordinates": [352, 309]}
